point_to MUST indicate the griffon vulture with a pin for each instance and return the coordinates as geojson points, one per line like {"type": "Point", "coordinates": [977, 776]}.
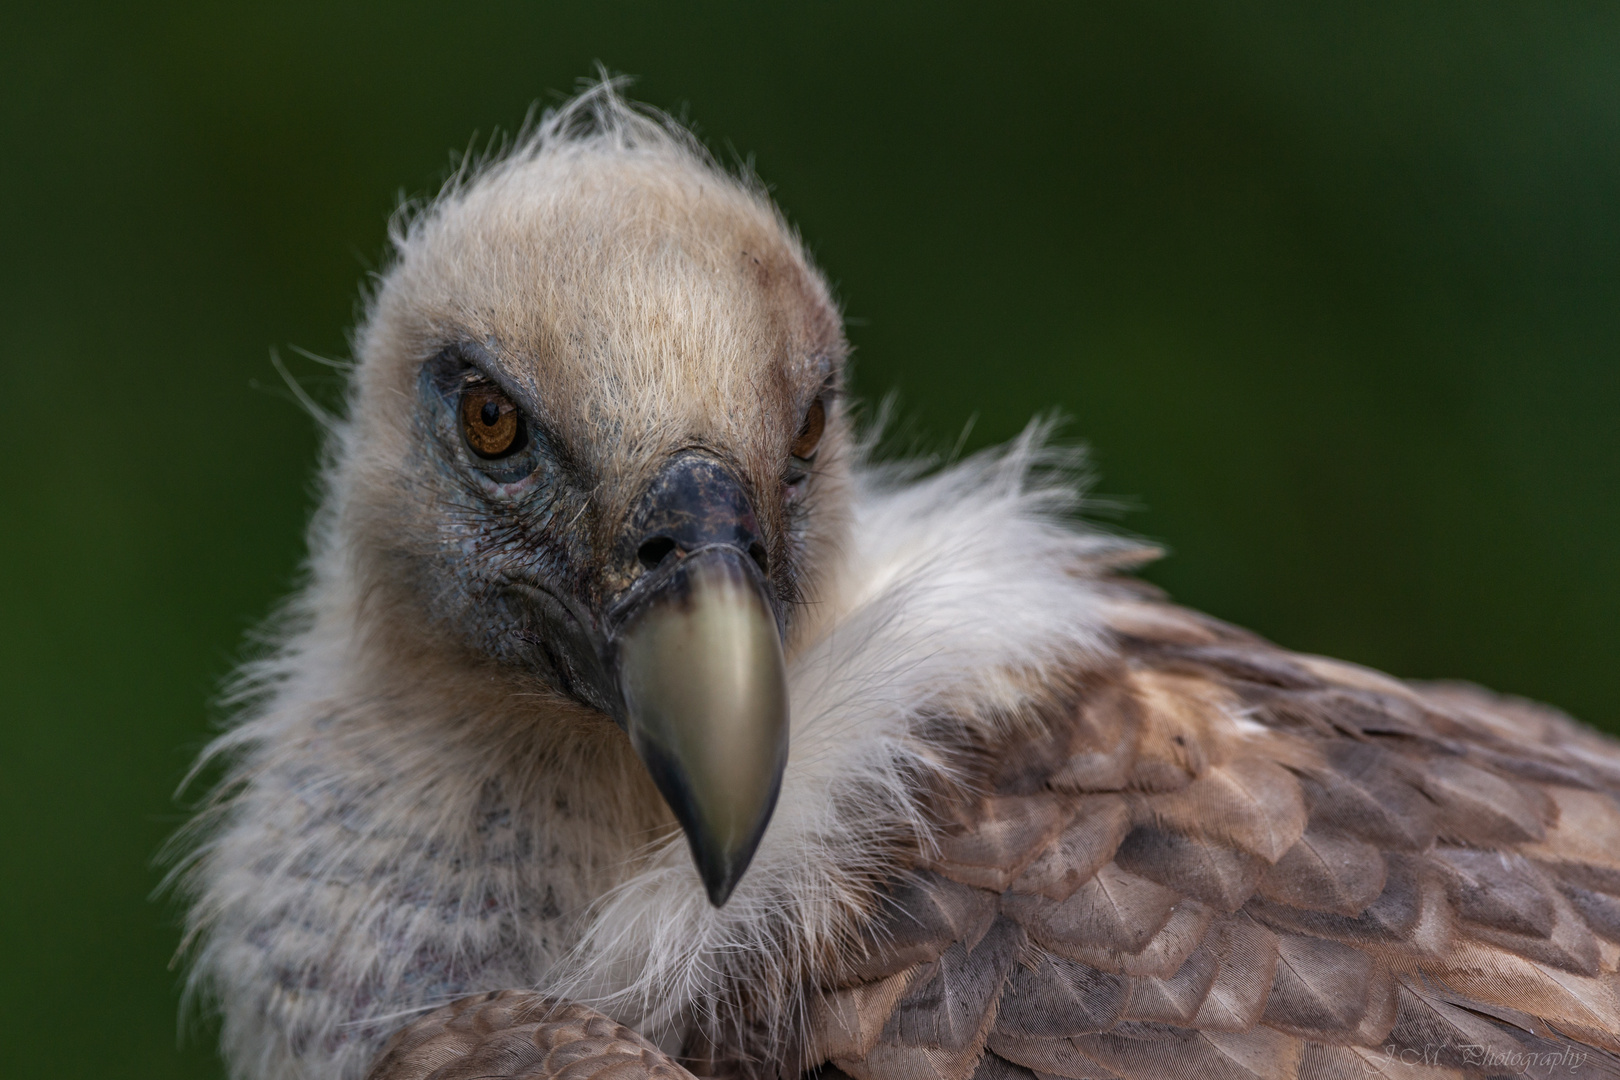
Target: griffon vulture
{"type": "Point", "coordinates": [633, 724]}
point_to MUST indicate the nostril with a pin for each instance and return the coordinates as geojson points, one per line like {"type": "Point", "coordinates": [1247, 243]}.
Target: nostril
{"type": "Point", "coordinates": [757, 550]}
{"type": "Point", "coordinates": [655, 551]}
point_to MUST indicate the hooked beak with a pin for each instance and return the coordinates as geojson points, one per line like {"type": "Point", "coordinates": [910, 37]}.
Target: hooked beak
{"type": "Point", "coordinates": [705, 694]}
{"type": "Point", "coordinates": [701, 672]}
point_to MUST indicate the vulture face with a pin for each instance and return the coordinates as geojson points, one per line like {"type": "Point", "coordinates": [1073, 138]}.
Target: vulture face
{"type": "Point", "coordinates": [598, 449]}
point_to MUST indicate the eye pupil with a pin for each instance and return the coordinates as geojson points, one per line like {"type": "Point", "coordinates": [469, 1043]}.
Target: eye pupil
{"type": "Point", "coordinates": [489, 414]}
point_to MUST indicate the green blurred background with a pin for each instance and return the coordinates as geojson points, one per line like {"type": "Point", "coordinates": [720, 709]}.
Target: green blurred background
{"type": "Point", "coordinates": [1332, 292]}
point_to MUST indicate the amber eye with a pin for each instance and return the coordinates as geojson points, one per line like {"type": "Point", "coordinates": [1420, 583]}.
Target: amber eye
{"type": "Point", "coordinates": [490, 422]}
{"type": "Point", "coordinates": [815, 422]}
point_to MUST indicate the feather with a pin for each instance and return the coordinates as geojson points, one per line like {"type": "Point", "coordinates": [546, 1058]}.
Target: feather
{"type": "Point", "coordinates": [847, 1023]}
{"type": "Point", "coordinates": [1149, 1052]}
{"type": "Point", "coordinates": [1564, 1000]}
{"type": "Point", "coordinates": [938, 1029]}
{"type": "Point", "coordinates": [1175, 718]}
{"type": "Point", "coordinates": [1583, 834]}
{"type": "Point", "coordinates": [1106, 734]}
{"type": "Point", "coordinates": [1499, 890]}
{"type": "Point", "coordinates": [524, 1037]}
{"type": "Point", "coordinates": [949, 1010]}
{"type": "Point", "coordinates": [1371, 793]}
{"type": "Point", "coordinates": [1221, 876]}
{"type": "Point", "coordinates": [1249, 803]}
{"type": "Point", "coordinates": [917, 922]}
{"type": "Point", "coordinates": [1329, 872]}
{"type": "Point", "coordinates": [1570, 945]}
{"type": "Point", "coordinates": [1165, 952]}
{"type": "Point", "coordinates": [1055, 998]}
{"type": "Point", "coordinates": [1479, 807]}
{"type": "Point", "coordinates": [1176, 998]}
{"type": "Point", "coordinates": [1004, 838]}
{"type": "Point", "coordinates": [1322, 988]}
{"type": "Point", "coordinates": [1049, 1057]}
{"type": "Point", "coordinates": [1323, 1062]}
{"type": "Point", "coordinates": [1393, 917]}
{"type": "Point", "coordinates": [994, 1067]}
{"type": "Point", "coordinates": [1250, 662]}
{"type": "Point", "coordinates": [1114, 909]}
{"type": "Point", "coordinates": [1601, 911]}
{"type": "Point", "coordinates": [1248, 966]}
{"type": "Point", "coordinates": [1436, 1027]}
{"type": "Point", "coordinates": [1100, 823]}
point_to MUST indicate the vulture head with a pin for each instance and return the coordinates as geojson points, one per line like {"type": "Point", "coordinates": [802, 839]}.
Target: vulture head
{"type": "Point", "coordinates": [597, 463]}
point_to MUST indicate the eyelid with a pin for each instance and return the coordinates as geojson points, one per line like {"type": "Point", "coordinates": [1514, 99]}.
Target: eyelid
{"type": "Point", "coordinates": [463, 364]}
{"type": "Point", "coordinates": [476, 375]}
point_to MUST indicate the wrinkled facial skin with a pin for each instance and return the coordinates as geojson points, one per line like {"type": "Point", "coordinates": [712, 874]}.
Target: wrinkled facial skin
{"type": "Point", "coordinates": [515, 565]}
{"type": "Point", "coordinates": [536, 548]}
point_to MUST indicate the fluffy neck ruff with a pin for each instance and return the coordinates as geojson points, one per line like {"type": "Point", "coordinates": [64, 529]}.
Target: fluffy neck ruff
{"type": "Point", "coordinates": [371, 854]}
{"type": "Point", "coordinates": [964, 597]}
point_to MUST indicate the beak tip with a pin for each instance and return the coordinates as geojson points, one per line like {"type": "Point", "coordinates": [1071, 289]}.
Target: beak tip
{"type": "Point", "coordinates": [721, 867]}
{"type": "Point", "coordinates": [720, 888]}
{"type": "Point", "coordinates": [721, 860]}
{"type": "Point", "coordinates": [719, 863]}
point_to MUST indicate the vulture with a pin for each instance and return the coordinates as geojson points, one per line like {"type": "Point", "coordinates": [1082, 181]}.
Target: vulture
{"type": "Point", "coordinates": [635, 720]}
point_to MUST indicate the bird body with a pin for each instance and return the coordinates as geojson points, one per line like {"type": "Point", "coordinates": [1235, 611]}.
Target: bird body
{"type": "Point", "coordinates": [986, 807]}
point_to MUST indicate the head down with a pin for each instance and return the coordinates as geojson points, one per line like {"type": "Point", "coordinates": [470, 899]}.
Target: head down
{"type": "Point", "coordinates": [596, 451]}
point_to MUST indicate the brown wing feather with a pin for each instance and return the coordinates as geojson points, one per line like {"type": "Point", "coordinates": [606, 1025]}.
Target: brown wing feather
{"type": "Point", "coordinates": [517, 1035]}
{"type": "Point", "coordinates": [1227, 860]}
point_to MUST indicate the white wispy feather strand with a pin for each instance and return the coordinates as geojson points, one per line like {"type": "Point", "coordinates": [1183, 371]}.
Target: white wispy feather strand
{"type": "Point", "coordinates": [318, 893]}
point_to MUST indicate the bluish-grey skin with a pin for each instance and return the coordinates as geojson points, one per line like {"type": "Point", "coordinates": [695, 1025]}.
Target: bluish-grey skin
{"type": "Point", "coordinates": [515, 543]}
